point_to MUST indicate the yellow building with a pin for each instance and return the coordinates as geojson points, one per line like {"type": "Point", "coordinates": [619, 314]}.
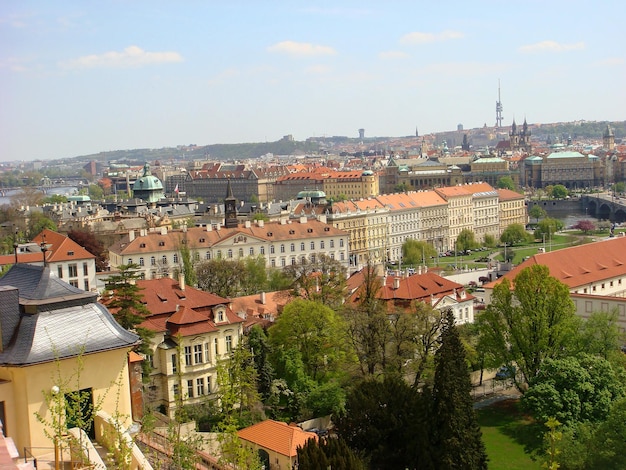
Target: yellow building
{"type": "Point", "coordinates": [57, 340]}
{"type": "Point", "coordinates": [460, 209]}
{"type": "Point", "coordinates": [350, 184]}
{"type": "Point", "coordinates": [512, 209]}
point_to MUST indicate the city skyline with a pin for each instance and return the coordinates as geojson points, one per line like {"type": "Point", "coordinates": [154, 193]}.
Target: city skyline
{"type": "Point", "coordinates": [80, 78]}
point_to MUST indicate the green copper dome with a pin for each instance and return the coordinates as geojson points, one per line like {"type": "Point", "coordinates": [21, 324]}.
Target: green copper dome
{"type": "Point", "coordinates": [147, 187]}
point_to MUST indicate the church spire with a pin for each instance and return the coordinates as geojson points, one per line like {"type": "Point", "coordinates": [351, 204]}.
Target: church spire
{"type": "Point", "coordinates": [230, 207]}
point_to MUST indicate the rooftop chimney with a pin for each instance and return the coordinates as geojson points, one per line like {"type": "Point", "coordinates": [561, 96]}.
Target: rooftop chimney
{"type": "Point", "coordinates": [263, 298]}
{"type": "Point", "coordinates": [181, 281]}
{"type": "Point", "coordinates": [131, 235]}
{"type": "Point", "coordinates": [396, 283]}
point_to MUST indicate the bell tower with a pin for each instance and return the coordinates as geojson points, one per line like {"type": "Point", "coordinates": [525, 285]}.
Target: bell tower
{"type": "Point", "coordinates": [230, 208]}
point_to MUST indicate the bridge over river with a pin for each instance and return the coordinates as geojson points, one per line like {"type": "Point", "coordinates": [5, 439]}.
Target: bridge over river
{"type": "Point", "coordinates": [605, 206]}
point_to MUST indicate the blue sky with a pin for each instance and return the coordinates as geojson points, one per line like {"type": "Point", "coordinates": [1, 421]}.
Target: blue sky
{"type": "Point", "coordinates": [80, 77]}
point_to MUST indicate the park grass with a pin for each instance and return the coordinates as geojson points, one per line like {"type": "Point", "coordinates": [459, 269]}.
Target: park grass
{"type": "Point", "coordinates": [509, 437]}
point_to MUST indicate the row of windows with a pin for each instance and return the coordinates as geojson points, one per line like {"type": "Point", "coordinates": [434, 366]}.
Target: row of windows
{"type": "Point", "coordinates": [200, 353]}
{"type": "Point", "coordinates": [72, 270]}
{"type": "Point", "coordinates": [303, 260]}
{"type": "Point", "coordinates": [229, 253]}
{"type": "Point", "coordinates": [195, 388]}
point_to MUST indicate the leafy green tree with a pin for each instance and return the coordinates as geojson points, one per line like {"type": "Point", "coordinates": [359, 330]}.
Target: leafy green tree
{"type": "Point", "coordinates": [537, 212]}
{"type": "Point", "coordinates": [416, 252]}
{"type": "Point", "coordinates": [255, 279]}
{"type": "Point", "coordinates": [600, 335]}
{"type": "Point", "coordinates": [125, 303]}
{"type": "Point", "coordinates": [609, 440]}
{"type": "Point", "coordinates": [573, 389]}
{"type": "Point", "coordinates": [96, 193]}
{"type": "Point", "coordinates": [559, 191]}
{"type": "Point", "coordinates": [466, 240]}
{"type": "Point", "coordinates": [529, 324]}
{"type": "Point", "coordinates": [619, 187]}
{"type": "Point", "coordinates": [401, 188]}
{"type": "Point", "coordinates": [259, 346]}
{"type": "Point", "coordinates": [489, 241]}
{"type": "Point", "coordinates": [456, 436]}
{"type": "Point", "coordinates": [316, 332]}
{"type": "Point", "coordinates": [237, 387]}
{"type": "Point", "coordinates": [506, 182]}
{"type": "Point", "coordinates": [328, 453]}
{"type": "Point", "coordinates": [548, 227]}
{"type": "Point", "coordinates": [514, 234]}
{"type": "Point", "coordinates": [54, 199]}
{"type": "Point", "coordinates": [387, 422]}
{"type": "Point", "coordinates": [188, 268]}
{"type": "Point", "coordinates": [37, 223]}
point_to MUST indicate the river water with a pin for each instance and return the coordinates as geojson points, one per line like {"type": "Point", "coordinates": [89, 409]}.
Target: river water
{"type": "Point", "coordinates": [61, 190]}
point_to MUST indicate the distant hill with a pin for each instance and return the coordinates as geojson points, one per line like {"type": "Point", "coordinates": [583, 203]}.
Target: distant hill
{"type": "Point", "coordinates": [560, 131]}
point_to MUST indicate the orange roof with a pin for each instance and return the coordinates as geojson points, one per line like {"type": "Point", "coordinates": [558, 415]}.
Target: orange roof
{"type": "Point", "coordinates": [163, 295]}
{"type": "Point", "coordinates": [453, 191]}
{"type": "Point", "coordinates": [579, 265]}
{"type": "Point", "coordinates": [478, 188]}
{"type": "Point", "coordinates": [61, 248]}
{"type": "Point", "coordinates": [508, 195]}
{"type": "Point", "coordinates": [418, 287]}
{"type": "Point", "coordinates": [276, 436]}
{"type": "Point", "coordinates": [199, 238]}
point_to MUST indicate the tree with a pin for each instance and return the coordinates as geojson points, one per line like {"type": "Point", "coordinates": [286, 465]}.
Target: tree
{"type": "Point", "coordinates": [328, 453]}
{"type": "Point", "coordinates": [456, 435]}
{"type": "Point", "coordinates": [37, 223]}
{"type": "Point", "coordinates": [548, 227]}
{"type": "Point", "coordinates": [465, 240]}
{"type": "Point", "coordinates": [54, 199]}
{"type": "Point", "coordinates": [415, 252]}
{"type": "Point", "coordinates": [619, 187]}
{"type": "Point", "coordinates": [316, 332]}
{"type": "Point", "coordinates": [489, 240]}
{"type": "Point", "coordinates": [529, 324]}
{"type": "Point", "coordinates": [89, 242]}
{"type": "Point", "coordinates": [574, 389]}
{"type": "Point", "coordinates": [537, 212]}
{"type": "Point", "coordinates": [559, 191]}
{"type": "Point", "coordinates": [367, 324]}
{"type": "Point", "coordinates": [387, 422]}
{"type": "Point", "coordinates": [125, 303]}
{"type": "Point", "coordinates": [188, 269]}
{"type": "Point", "coordinates": [220, 276]}
{"type": "Point", "coordinates": [95, 192]}
{"type": "Point", "coordinates": [599, 335]}
{"type": "Point", "coordinates": [401, 188]}
{"type": "Point", "coordinates": [506, 182]}
{"type": "Point", "coordinates": [585, 226]}
{"type": "Point", "coordinates": [259, 346]}
{"type": "Point", "coordinates": [322, 280]}
{"type": "Point", "coordinates": [514, 234]}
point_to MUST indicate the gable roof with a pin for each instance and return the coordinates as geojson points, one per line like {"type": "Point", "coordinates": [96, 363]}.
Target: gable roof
{"type": "Point", "coordinates": [579, 265]}
{"type": "Point", "coordinates": [61, 248]}
{"type": "Point", "coordinates": [277, 436]}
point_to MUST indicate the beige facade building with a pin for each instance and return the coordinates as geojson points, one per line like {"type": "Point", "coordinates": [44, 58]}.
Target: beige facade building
{"type": "Point", "coordinates": [460, 209]}
{"type": "Point", "coordinates": [512, 209]}
{"type": "Point", "coordinates": [486, 210]}
{"type": "Point", "coordinates": [157, 252]}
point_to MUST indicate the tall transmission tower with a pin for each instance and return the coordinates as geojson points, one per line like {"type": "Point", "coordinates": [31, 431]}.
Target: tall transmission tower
{"type": "Point", "coordinates": [498, 109]}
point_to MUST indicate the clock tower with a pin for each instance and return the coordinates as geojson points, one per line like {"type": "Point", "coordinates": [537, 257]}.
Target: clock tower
{"type": "Point", "coordinates": [230, 208]}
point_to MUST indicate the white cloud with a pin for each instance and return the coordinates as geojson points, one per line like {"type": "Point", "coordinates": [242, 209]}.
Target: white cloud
{"type": "Point", "coordinates": [418, 37]}
{"type": "Point", "coordinates": [224, 76]}
{"type": "Point", "coordinates": [132, 56]}
{"type": "Point", "coordinates": [301, 49]}
{"type": "Point", "coordinates": [551, 46]}
{"type": "Point", "coordinates": [391, 55]}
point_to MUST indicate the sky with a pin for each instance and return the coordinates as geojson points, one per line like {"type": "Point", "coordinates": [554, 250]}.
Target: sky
{"type": "Point", "coordinates": [82, 77]}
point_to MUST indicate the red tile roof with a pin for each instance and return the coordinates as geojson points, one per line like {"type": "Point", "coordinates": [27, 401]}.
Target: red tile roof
{"type": "Point", "coordinates": [61, 248]}
{"type": "Point", "coordinates": [579, 265]}
{"type": "Point", "coordinates": [276, 436]}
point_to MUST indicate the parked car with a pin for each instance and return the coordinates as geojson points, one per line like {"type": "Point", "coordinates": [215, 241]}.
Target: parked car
{"type": "Point", "coordinates": [505, 372]}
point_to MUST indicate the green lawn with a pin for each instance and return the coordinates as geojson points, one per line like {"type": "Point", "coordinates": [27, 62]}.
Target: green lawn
{"type": "Point", "coordinates": [507, 435]}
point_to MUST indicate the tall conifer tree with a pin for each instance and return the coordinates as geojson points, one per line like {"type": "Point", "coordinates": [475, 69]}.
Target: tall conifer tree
{"type": "Point", "coordinates": [457, 438]}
